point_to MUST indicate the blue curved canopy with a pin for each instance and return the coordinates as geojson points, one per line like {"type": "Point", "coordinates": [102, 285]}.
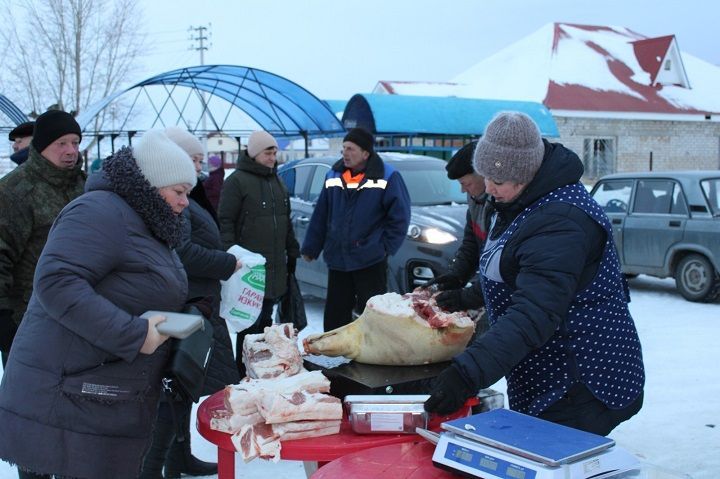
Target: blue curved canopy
{"type": "Point", "coordinates": [277, 104]}
{"type": "Point", "coordinates": [421, 115]}
{"type": "Point", "coordinates": [11, 110]}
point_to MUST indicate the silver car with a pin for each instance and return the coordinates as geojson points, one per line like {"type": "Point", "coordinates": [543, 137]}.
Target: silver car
{"type": "Point", "coordinates": [667, 224]}
{"type": "Point", "coordinates": [436, 225]}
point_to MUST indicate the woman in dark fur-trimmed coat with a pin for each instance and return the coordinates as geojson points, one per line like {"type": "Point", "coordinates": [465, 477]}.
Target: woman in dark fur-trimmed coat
{"type": "Point", "coordinates": [80, 392]}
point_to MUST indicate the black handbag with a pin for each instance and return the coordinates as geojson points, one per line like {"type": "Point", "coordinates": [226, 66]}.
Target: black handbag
{"type": "Point", "coordinates": [189, 363]}
{"type": "Point", "coordinates": [292, 306]}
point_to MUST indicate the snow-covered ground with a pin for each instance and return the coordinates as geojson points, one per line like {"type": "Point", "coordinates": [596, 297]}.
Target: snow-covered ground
{"type": "Point", "coordinates": [678, 428]}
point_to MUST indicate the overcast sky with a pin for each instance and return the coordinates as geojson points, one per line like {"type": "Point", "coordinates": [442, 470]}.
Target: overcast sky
{"type": "Point", "coordinates": [336, 48]}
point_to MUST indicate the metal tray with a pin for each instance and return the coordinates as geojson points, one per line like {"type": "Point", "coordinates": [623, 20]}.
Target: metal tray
{"type": "Point", "coordinates": [386, 414]}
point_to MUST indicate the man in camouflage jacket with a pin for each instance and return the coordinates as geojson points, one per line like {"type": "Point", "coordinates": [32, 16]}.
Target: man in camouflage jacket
{"type": "Point", "coordinates": [31, 196]}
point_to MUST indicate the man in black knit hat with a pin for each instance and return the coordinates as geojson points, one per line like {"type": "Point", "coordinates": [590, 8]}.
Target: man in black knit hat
{"type": "Point", "coordinates": [361, 218]}
{"type": "Point", "coordinates": [463, 267]}
{"type": "Point", "coordinates": [31, 196]}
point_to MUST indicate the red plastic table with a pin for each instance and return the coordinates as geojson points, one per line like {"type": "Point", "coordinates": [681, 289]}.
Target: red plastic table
{"type": "Point", "coordinates": [411, 460]}
{"type": "Point", "coordinates": [314, 449]}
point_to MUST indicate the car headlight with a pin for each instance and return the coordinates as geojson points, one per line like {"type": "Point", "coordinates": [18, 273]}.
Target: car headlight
{"type": "Point", "coordinates": [430, 235]}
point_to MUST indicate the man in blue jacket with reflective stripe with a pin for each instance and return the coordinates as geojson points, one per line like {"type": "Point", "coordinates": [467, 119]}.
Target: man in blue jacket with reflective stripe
{"type": "Point", "coordinates": [361, 218]}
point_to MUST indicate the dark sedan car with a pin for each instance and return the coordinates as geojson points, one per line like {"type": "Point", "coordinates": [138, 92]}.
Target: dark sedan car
{"type": "Point", "coordinates": [436, 224]}
{"type": "Point", "coordinates": [667, 224]}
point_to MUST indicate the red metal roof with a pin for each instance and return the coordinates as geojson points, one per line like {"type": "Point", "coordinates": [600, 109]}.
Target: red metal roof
{"type": "Point", "coordinates": [650, 53]}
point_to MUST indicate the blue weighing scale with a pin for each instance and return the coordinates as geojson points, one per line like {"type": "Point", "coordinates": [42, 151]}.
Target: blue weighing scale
{"type": "Point", "coordinates": [504, 444]}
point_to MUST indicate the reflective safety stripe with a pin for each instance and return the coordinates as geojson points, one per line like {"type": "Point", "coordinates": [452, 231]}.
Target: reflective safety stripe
{"type": "Point", "coordinates": [330, 182]}
{"type": "Point", "coordinates": [374, 184]}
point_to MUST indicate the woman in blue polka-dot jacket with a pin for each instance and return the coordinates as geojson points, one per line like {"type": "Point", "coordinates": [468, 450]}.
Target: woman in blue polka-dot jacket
{"type": "Point", "coordinates": [557, 301]}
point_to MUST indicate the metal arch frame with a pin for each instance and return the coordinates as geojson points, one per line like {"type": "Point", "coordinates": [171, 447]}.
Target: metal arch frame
{"type": "Point", "coordinates": [277, 104]}
{"type": "Point", "coordinates": [11, 110]}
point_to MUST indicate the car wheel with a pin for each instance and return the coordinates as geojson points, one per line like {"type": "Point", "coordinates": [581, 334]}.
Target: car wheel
{"type": "Point", "coordinates": [696, 279]}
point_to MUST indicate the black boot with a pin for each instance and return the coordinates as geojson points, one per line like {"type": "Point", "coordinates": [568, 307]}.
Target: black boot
{"type": "Point", "coordinates": [163, 435]}
{"type": "Point", "coordinates": [180, 459]}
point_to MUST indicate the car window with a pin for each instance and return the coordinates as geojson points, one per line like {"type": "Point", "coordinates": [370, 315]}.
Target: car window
{"type": "Point", "coordinates": [318, 181]}
{"type": "Point", "coordinates": [679, 205]}
{"type": "Point", "coordinates": [654, 196]}
{"type": "Point", "coordinates": [296, 179]}
{"type": "Point", "coordinates": [613, 195]}
{"type": "Point", "coordinates": [711, 188]}
{"type": "Point", "coordinates": [432, 187]}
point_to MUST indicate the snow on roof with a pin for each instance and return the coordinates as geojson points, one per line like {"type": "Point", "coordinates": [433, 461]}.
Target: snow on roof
{"type": "Point", "coordinates": [416, 88]}
{"type": "Point", "coordinates": [588, 68]}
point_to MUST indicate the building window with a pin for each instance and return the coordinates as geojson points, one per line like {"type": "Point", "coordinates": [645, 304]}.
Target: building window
{"type": "Point", "coordinates": [668, 65]}
{"type": "Point", "coordinates": [598, 157]}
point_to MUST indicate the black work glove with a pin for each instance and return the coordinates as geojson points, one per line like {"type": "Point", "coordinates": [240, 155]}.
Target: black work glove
{"type": "Point", "coordinates": [291, 265]}
{"type": "Point", "coordinates": [449, 393]}
{"type": "Point", "coordinates": [8, 328]}
{"type": "Point", "coordinates": [444, 282]}
{"type": "Point", "coordinates": [460, 299]}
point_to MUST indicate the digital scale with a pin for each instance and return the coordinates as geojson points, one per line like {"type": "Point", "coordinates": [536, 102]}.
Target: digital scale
{"type": "Point", "coordinates": [504, 444]}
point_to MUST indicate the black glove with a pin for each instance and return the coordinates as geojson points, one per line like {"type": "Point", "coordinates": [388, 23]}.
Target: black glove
{"type": "Point", "coordinates": [444, 282]}
{"type": "Point", "coordinates": [8, 328]}
{"type": "Point", "coordinates": [291, 265]}
{"type": "Point", "coordinates": [460, 299]}
{"type": "Point", "coordinates": [449, 392]}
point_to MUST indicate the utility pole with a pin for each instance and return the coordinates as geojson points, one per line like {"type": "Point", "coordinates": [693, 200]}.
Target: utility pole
{"type": "Point", "coordinates": [201, 35]}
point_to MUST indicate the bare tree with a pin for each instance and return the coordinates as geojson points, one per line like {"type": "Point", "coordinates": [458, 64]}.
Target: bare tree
{"type": "Point", "coordinates": [69, 53]}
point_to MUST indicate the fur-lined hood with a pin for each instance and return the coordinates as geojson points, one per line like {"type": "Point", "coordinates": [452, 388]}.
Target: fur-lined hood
{"type": "Point", "coordinates": [121, 175]}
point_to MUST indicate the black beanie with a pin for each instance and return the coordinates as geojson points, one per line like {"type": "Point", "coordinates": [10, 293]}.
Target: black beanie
{"type": "Point", "coordinates": [51, 125]}
{"type": "Point", "coordinates": [22, 130]}
{"type": "Point", "coordinates": [461, 163]}
{"type": "Point", "coordinates": [361, 138]}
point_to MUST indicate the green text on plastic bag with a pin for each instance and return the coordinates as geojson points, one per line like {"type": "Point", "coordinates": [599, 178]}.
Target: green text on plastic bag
{"type": "Point", "coordinates": [256, 277]}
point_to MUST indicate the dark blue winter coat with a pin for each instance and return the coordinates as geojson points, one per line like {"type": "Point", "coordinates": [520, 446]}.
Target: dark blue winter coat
{"type": "Point", "coordinates": [78, 399]}
{"type": "Point", "coordinates": [549, 263]}
{"type": "Point", "coordinates": [357, 228]}
{"type": "Point", "coordinates": [206, 263]}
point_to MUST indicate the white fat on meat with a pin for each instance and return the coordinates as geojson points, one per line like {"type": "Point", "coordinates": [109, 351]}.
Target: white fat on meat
{"type": "Point", "coordinates": [242, 398]}
{"type": "Point", "coordinates": [277, 407]}
{"type": "Point", "coordinates": [263, 440]}
{"type": "Point", "coordinates": [273, 353]}
{"type": "Point", "coordinates": [397, 330]}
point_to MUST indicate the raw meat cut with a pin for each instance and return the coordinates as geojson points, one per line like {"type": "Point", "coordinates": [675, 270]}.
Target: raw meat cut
{"type": "Point", "coordinates": [273, 353]}
{"type": "Point", "coordinates": [242, 398]}
{"type": "Point", "coordinates": [397, 330]}
{"type": "Point", "coordinates": [277, 407]}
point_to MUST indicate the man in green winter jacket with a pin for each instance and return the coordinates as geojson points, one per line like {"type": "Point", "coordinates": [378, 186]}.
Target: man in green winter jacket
{"type": "Point", "coordinates": [254, 213]}
{"type": "Point", "coordinates": [31, 196]}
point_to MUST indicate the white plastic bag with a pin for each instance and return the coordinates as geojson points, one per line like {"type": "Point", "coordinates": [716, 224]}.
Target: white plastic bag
{"type": "Point", "coordinates": [242, 294]}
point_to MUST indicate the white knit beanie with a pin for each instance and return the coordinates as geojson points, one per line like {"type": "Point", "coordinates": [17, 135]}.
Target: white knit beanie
{"type": "Point", "coordinates": [185, 140]}
{"type": "Point", "coordinates": [259, 141]}
{"type": "Point", "coordinates": [163, 162]}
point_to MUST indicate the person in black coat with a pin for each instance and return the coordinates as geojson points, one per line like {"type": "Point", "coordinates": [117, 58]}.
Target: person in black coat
{"type": "Point", "coordinates": [557, 301]}
{"type": "Point", "coordinates": [206, 263]}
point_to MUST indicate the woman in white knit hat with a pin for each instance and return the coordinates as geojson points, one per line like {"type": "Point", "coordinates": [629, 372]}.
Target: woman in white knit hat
{"type": "Point", "coordinates": [80, 392]}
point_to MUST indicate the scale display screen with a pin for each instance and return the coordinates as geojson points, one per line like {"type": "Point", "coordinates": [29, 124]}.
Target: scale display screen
{"type": "Point", "coordinates": [484, 462]}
